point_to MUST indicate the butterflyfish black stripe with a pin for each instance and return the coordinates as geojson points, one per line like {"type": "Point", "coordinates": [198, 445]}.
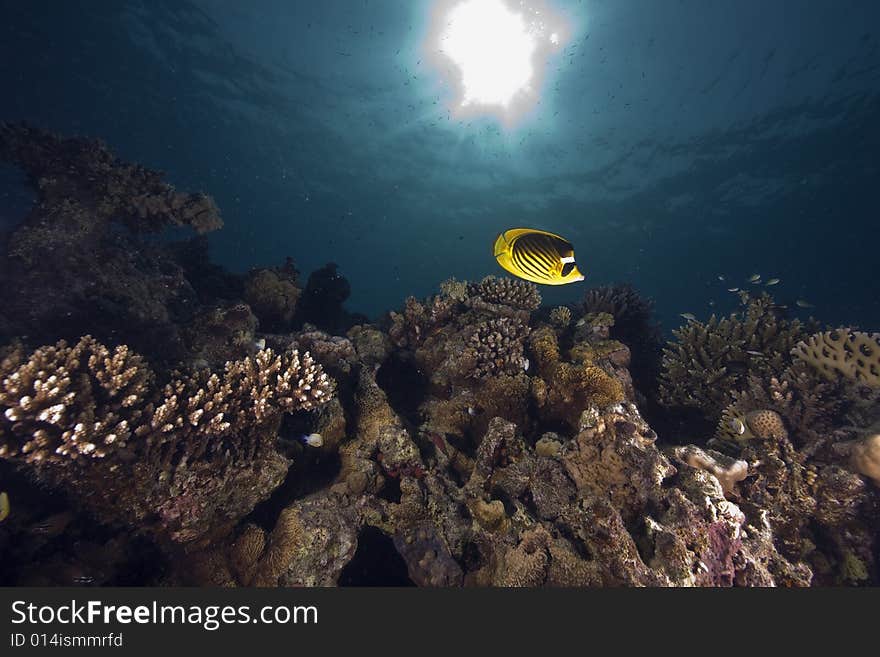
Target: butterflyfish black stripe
{"type": "Point", "coordinates": [529, 267]}
{"type": "Point", "coordinates": [549, 246]}
{"type": "Point", "coordinates": [550, 256]}
{"type": "Point", "coordinates": [526, 266]}
{"type": "Point", "coordinates": [530, 256]}
{"type": "Point", "coordinates": [536, 259]}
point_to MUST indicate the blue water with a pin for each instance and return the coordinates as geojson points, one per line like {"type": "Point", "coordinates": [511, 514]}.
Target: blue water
{"type": "Point", "coordinates": [671, 142]}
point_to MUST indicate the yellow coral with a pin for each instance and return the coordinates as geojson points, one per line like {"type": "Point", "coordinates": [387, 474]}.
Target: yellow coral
{"type": "Point", "coordinates": [853, 354]}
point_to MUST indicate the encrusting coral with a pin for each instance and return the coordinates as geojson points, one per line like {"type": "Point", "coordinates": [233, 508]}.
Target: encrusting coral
{"type": "Point", "coordinates": [563, 389]}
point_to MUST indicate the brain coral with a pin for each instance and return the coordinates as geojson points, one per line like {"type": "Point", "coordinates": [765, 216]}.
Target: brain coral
{"type": "Point", "coordinates": [853, 354]}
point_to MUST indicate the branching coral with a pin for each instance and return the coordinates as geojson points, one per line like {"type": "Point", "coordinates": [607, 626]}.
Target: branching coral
{"type": "Point", "coordinates": [98, 279]}
{"type": "Point", "coordinates": [418, 320]}
{"type": "Point", "coordinates": [511, 292]}
{"type": "Point", "coordinates": [496, 347]}
{"type": "Point", "coordinates": [709, 363]}
{"type": "Point", "coordinates": [454, 289]}
{"type": "Point", "coordinates": [560, 316]}
{"type": "Point", "coordinates": [193, 455]}
{"type": "Point", "coordinates": [806, 405]}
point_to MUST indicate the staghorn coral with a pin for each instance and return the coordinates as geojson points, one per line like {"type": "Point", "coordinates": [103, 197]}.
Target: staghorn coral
{"type": "Point", "coordinates": [854, 355]}
{"type": "Point", "coordinates": [709, 363]}
{"type": "Point", "coordinates": [69, 402]}
{"type": "Point", "coordinates": [512, 292]}
{"type": "Point", "coordinates": [185, 460]}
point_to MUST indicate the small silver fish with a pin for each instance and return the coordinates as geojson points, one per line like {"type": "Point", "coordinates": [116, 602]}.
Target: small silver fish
{"type": "Point", "coordinates": [525, 364]}
{"type": "Point", "coordinates": [803, 304]}
{"type": "Point", "coordinates": [733, 289]}
{"type": "Point", "coordinates": [720, 277]}
{"type": "Point", "coordinates": [752, 352]}
{"type": "Point", "coordinates": [312, 440]}
{"type": "Point", "coordinates": [689, 317]}
{"type": "Point", "coordinates": [772, 281]}
{"type": "Point", "coordinates": [260, 344]}
{"type": "Point", "coordinates": [754, 278]}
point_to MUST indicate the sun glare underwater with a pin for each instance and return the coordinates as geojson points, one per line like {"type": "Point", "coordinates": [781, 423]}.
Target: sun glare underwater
{"type": "Point", "coordinates": [439, 293]}
{"type": "Point", "coordinates": [498, 53]}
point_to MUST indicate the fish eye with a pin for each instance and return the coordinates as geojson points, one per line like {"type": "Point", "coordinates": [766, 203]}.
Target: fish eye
{"type": "Point", "coordinates": [567, 267]}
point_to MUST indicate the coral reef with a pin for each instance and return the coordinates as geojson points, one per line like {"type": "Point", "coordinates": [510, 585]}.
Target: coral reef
{"type": "Point", "coordinates": [272, 294]}
{"type": "Point", "coordinates": [496, 347]}
{"type": "Point", "coordinates": [560, 317]}
{"type": "Point", "coordinates": [563, 389]}
{"type": "Point", "coordinates": [76, 265]}
{"type": "Point", "coordinates": [634, 325]}
{"type": "Point", "coordinates": [507, 292]}
{"type": "Point", "coordinates": [708, 363]}
{"type": "Point", "coordinates": [851, 354]}
{"type": "Point", "coordinates": [471, 439]}
{"type": "Point", "coordinates": [184, 459]}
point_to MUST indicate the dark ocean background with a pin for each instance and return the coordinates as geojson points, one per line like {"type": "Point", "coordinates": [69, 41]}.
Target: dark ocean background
{"type": "Point", "coordinates": [675, 141]}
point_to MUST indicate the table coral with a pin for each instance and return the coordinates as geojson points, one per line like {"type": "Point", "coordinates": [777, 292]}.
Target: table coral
{"type": "Point", "coordinates": [852, 354]}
